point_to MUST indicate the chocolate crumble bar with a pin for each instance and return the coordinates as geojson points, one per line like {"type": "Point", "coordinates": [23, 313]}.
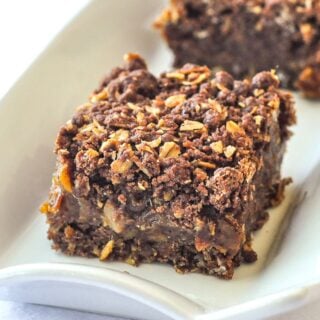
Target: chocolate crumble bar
{"type": "Point", "coordinates": [178, 169]}
{"type": "Point", "coordinates": [245, 37]}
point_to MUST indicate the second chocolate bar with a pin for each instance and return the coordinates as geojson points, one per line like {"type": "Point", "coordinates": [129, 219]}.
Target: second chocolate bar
{"type": "Point", "coordinates": [245, 37]}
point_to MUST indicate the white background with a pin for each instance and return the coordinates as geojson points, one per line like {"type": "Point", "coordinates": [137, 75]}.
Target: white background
{"type": "Point", "coordinates": [26, 27]}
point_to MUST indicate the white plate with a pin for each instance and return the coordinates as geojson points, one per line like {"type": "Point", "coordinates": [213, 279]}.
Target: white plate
{"type": "Point", "coordinates": [287, 273]}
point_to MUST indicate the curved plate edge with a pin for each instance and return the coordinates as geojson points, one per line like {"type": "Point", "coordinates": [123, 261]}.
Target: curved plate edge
{"type": "Point", "coordinates": [152, 295]}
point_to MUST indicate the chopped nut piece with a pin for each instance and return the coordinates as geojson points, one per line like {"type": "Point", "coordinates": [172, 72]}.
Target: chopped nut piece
{"type": "Point", "coordinates": [110, 143]}
{"type": "Point", "coordinates": [44, 208]}
{"type": "Point", "coordinates": [144, 147]}
{"type": "Point", "coordinates": [189, 125]}
{"type": "Point", "coordinates": [154, 143]}
{"type": "Point", "coordinates": [107, 250]}
{"type": "Point", "coordinates": [169, 150]}
{"type": "Point", "coordinates": [229, 151]}
{"type": "Point", "coordinates": [91, 153]}
{"type": "Point", "coordinates": [234, 128]}
{"type": "Point", "coordinates": [199, 224]}
{"type": "Point", "coordinates": [212, 229]}
{"type": "Point", "coordinates": [55, 199]}
{"type": "Point", "coordinates": [120, 135]}
{"type": "Point", "coordinates": [178, 213]}
{"type": "Point", "coordinates": [201, 245]}
{"type": "Point", "coordinates": [167, 196]}
{"type": "Point", "coordinates": [275, 104]}
{"type": "Point", "coordinates": [258, 92]}
{"type": "Point", "coordinates": [99, 203]}
{"type": "Point", "coordinates": [169, 15]}
{"type": "Point", "coordinates": [161, 123]}
{"type": "Point", "coordinates": [217, 146]}
{"type": "Point", "coordinates": [133, 107]}
{"type": "Point", "coordinates": [69, 125]}
{"type": "Point", "coordinates": [174, 101]}
{"type": "Point", "coordinates": [221, 87]}
{"type": "Point", "coordinates": [153, 110]}
{"type": "Point", "coordinates": [65, 179]}
{"type": "Point", "coordinates": [249, 167]}
{"type": "Point", "coordinates": [195, 75]}
{"type": "Point", "coordinates": [258, 120]}
{"type": "Point", "coordinates": [131, 56]}
{"type": "Point", "coordinates": [202, 34]}
{"type": "Point", "coordinates": [131, 261]}
{"type": "Point", "coordinates": [112, 218]}
{"type": "Point", "coordinates": [307, 32]}
{"type": "Point", "coordinates": [175, 75]}
{"type": "Point", "coordinates": [200, 174]}
{"type": "Point", "coordinates": [69, 232]}
{"type": "Point", "coordinates": [121, 166]}
{"type": "Point", "coordinates": [206, 164]}
{"type": "Point", "coordinates": [102, 95]}
{"type": "Point", "coordinates": [141, 186]}
{"type": "Point", "coordinates": [140, 117]}
{"type": "Point", "coordinates": [200, 78]}
{"type": "Point", "coordinates": [255, 9]}
{"type": "Point", "coordinates": [94, 127]}
{"type": "Point", "coordinates": [215, 105]}
{"type": "Point", "coordinates": [141, 167]}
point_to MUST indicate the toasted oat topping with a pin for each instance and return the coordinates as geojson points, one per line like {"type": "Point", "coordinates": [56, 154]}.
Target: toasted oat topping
{"type": "Point", "coordinates": [160, 139]}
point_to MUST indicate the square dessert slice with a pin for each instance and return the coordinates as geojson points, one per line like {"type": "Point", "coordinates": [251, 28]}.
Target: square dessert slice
{"type": "Point", "coordinates": [177, 169]}
{"type": "Point", "coordinates": [245, 37]}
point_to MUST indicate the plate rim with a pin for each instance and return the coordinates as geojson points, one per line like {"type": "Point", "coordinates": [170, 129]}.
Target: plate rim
{"type": "Point", "coordinates": [154, 295]}
{"type": "Point", "coordinates": [133, 287]}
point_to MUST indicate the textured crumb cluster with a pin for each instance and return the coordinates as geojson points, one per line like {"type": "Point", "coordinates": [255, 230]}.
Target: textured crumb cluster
{"type": "Point", "coordinates": [245, 37]}
{"type": "Point", "coordinates": [177, 169]}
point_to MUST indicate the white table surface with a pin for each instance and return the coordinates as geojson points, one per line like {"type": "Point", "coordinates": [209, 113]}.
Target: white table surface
{"type": "Point", "coordinates": [26, 27]}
